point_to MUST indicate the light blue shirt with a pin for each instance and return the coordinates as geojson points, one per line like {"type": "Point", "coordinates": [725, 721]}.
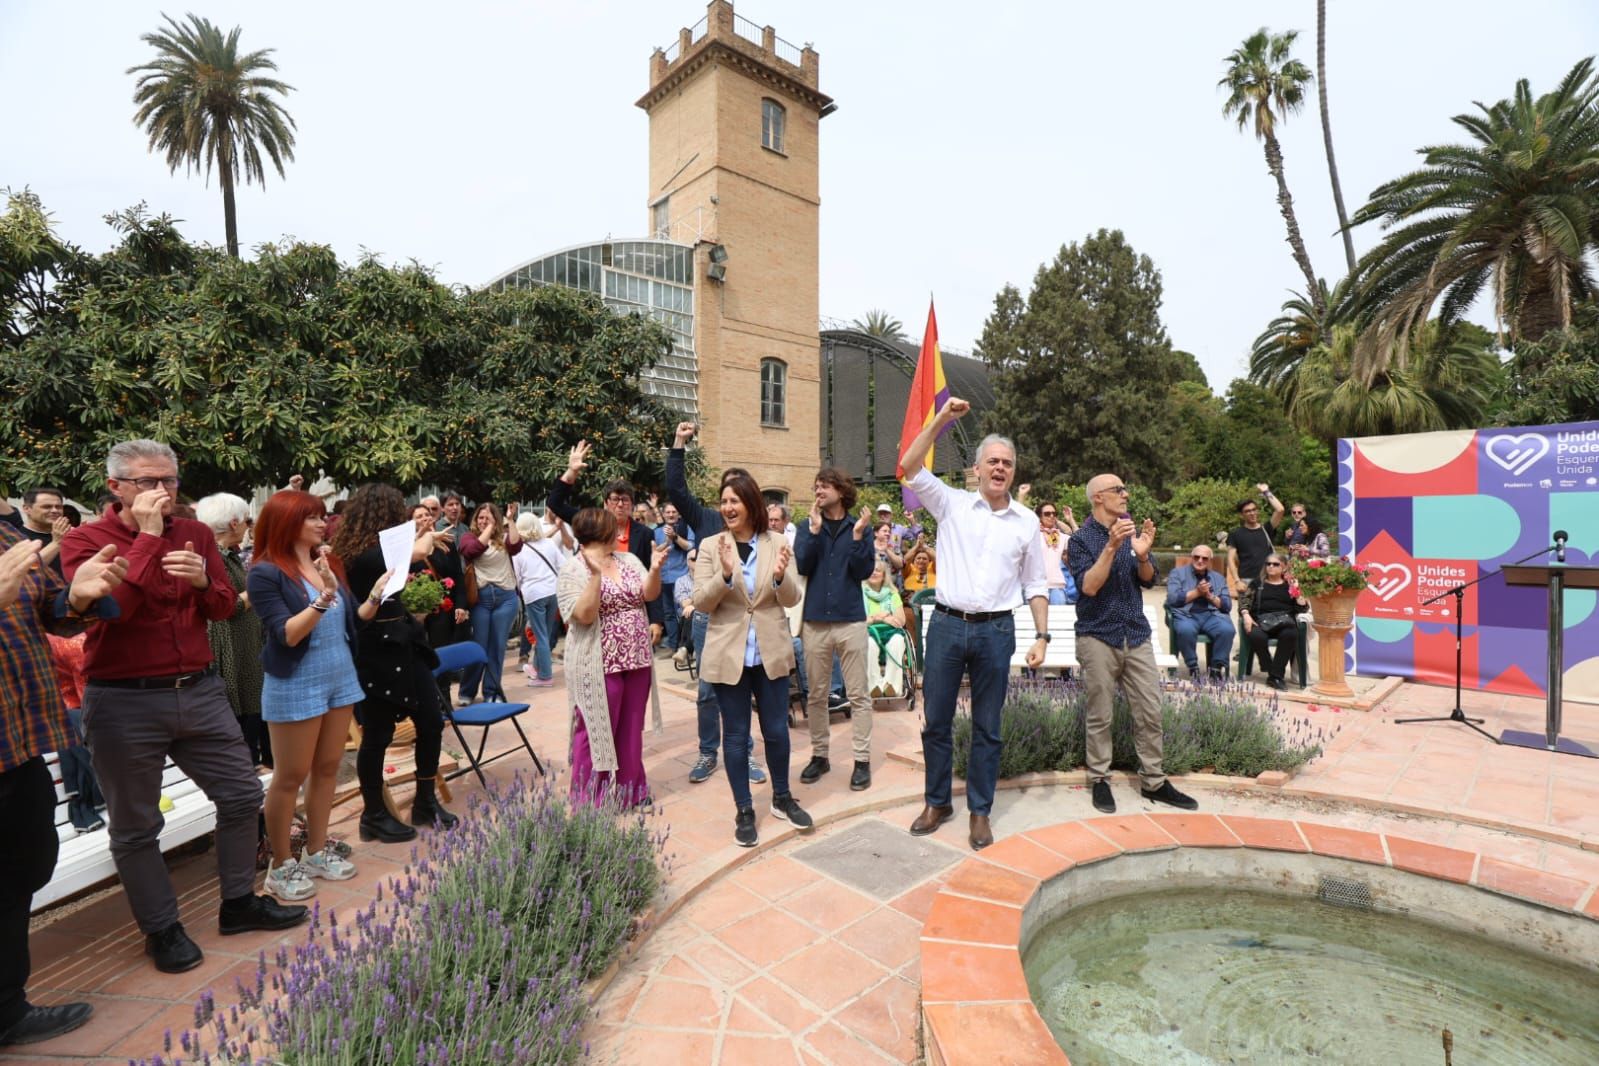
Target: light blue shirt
{"type": "Point", "coordinates": [752, 651]}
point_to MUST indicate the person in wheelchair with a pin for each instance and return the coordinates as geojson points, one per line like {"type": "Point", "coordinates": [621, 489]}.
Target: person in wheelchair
{"type": "Point", "coordinates": [885, 623]}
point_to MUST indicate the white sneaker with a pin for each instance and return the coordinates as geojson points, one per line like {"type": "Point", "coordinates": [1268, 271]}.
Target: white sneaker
{"type": "Point", "coordinates": [328, 863]}
{"type": "Point", "coordinates": [288, 882]}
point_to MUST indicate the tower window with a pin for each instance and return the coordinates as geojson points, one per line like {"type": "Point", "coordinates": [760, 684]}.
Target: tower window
{"type": "Point", "coordinates": [661, 218]}
{"type": "Point", "coordinates": [774, 392]}
{"type": "Point", "coordinates": [773, 119]}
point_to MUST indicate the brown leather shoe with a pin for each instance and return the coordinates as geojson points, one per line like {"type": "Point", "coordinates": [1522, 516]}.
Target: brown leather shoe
{"type": "Point", "coordinates": [930, 819]}
{"type": "Point", "coordinates": [978, 832]}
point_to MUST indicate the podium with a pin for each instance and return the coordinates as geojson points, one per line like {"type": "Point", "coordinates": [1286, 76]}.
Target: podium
{"type": "Point", "coordinates": [1557, 578]}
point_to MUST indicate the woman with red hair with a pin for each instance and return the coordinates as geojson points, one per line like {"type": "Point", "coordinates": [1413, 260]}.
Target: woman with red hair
{"type": "Point", "coordinates": [311, 684]}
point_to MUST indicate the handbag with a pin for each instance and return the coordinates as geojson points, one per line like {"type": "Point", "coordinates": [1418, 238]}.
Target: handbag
{"type": "Point", "coordinates": [1275, 621]}
{"type": "Point", "coordinates": [470, 581]}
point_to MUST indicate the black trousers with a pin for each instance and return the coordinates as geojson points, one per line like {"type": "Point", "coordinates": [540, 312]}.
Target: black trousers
{"type": "Point", "coordinates": [378, 719]}
{"type": "Point", "coordinates": [1278, 662]}
{"type": "Point", "coordinates": [28, 850]}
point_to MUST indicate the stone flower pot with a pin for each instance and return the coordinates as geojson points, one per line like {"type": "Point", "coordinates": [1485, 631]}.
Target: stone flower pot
{"type": "Point", "coordinates": [1333, 614]}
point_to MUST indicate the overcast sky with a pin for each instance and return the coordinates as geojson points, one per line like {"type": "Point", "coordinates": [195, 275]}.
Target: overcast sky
{"type": "Point", "coordinates": [971, 140]}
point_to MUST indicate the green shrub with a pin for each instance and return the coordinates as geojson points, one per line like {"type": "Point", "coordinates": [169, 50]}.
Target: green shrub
{"type": "Point", "coordinates": [1206, 727]}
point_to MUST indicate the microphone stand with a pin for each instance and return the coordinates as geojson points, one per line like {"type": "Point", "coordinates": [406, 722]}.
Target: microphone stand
{"type": "Point", "coordinates": [1459, 593]}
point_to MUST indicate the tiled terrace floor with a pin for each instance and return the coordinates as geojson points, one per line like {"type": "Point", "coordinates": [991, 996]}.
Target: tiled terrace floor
{"type": "Point", "coordinates": [802, 951]}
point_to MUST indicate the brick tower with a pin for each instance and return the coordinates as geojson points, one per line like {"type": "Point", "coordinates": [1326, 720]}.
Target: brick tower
{"type": "Point", "coordinates": [734, 115]}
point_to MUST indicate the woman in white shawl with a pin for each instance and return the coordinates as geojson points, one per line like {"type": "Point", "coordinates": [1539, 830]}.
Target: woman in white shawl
{"type": "Point", "coordinates": [610, 672]}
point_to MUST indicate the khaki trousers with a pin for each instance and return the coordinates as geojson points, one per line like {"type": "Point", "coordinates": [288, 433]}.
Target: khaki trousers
{"type": "Point", "coordinates": [849, 640]}
{"type": "Point", "coordinates": [1105, 667]}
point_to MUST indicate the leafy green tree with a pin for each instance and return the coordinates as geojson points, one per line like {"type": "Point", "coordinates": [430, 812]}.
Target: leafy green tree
{"type": "Point", "coordinates": [1448, 382]}
{"type": "Point", "coordinates": [295, 363]}
{"type": "Point", "coordinates": [1201, 508]}
{"type": "Point", "coordinates": [1082, 368]}
{"type": "Point", "coordinates": [33, 264]}
{"type": "Point", "coordinates": [1255, 441]}
{"type": "Point", "coordinates": [1555, 379]}
{"type": "Point", "coordinates": [1515, 210]}
{"type": "Point", "coordinates": [879, 323]}
{"type": "Point", "coordinates": [1200, 418]}
{"type": "Point", "coordinates": [204, 104]}
{"type": "Point", "coordinates": [1265, 85]}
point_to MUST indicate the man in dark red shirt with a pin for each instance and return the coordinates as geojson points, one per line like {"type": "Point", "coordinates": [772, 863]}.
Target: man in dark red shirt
{"type": "Point", "coordinates": [153, 691]}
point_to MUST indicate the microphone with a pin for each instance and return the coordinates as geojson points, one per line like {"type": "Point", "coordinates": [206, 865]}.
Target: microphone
{"type": "Point", "coordinates": [1560, 545]}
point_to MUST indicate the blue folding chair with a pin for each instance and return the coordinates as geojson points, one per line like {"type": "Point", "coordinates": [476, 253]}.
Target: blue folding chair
{"type": "Point", "coordinates": [454, 657]}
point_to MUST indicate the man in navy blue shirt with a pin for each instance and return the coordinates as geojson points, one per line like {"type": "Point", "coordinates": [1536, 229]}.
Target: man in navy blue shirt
{"type": "Point", "coordinates": [1110, 559]}
{"type": "Point", "coordinates": [833, 554]}
{"type": "Point", "coordinates": [1199, 603]}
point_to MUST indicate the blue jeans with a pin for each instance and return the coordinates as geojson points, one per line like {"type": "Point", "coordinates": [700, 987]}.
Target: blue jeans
{"type": "Point", "coordinates": [710, 712]}
{"type": "Point", "coordinates": [541, 616]}
{"type": "Point", "coordinates": [983, 650]}
{"type": "Point", "coordinates": [674, 636]}
{"type": "Point", "coordinates": [491, 627]}
{"type": "Point", "coordinates": [1218, 627]}
{"type": "Point", "coordinates": [771, 704]}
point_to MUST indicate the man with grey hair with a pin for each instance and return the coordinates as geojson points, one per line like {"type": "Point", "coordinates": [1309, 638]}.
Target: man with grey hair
{"type": "Point", "coordinates": [153, 692]}
{"type": "Point", "coordinates": [1112, 562]}
{"type": "Point", "coordinates": [990, 561]}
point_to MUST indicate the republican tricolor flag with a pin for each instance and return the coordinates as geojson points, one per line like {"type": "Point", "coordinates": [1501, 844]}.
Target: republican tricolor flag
{"type": "Point", "coordinates": [928, 393]}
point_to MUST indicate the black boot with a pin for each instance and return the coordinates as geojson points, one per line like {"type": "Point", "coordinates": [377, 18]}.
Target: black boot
{"type": "Point", "coordinates": [378, 824]}
{"type": "Point", "coordinates": [426, 808]}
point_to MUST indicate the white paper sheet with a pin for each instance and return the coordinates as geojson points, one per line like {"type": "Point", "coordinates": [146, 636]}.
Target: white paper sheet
{"type": "Point", "coordinates": [396, 542]}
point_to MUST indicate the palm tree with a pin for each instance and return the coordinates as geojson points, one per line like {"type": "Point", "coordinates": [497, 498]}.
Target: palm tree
{"type": "Point", "coordinates": [1278, 353]}
{"type": "Point", "coordinates": [1326, 132]}
{"type": "Point", "coordinates": [879, 323]}
{"type": "Point", "coordinates": [205, 104]}
{"type": "Point", "coordinates": [1447, 384]}
{"type": "Point", "coordinates": [1517, 209]}
{"type": "Point", "coordinates": [1266, 85]}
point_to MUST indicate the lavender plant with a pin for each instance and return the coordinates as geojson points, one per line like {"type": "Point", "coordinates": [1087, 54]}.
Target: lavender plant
{"type": "Point", "coordinates": [1220, 727]}
{"type": "Point", "coordinates": [478, 956]}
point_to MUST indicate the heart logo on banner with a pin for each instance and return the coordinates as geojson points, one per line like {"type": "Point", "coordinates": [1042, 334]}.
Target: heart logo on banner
{"type": "Point", "coordinates": [1517, 453]}
{"type": "Point", "coordinates": [1387, 580]}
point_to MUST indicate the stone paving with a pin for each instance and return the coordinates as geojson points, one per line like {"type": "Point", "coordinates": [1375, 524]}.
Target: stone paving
{"type": "Point", "coordinates": [806, 949]}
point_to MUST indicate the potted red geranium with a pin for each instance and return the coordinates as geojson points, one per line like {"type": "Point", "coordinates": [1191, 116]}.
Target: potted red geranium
{"type": "Point", "coordinates": [1332, 586]}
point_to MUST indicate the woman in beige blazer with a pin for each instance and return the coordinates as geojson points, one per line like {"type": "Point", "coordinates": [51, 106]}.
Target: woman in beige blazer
{"type": "Point", "coordinates": [742, 581]}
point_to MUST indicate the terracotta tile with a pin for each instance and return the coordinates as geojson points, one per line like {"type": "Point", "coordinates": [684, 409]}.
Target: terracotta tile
{"type": "Point", "coordinates": [678, 1004]}
{"type": "Point", "coordinates": [1133, 832]}
{"type": "Point", "coordinates": [965, 1034]}
{"type": "Point", "coordinates": [886, 1017]}
{"type": "Point", "coordinates": [636, 1045]}
{"type": "Point", "coordinates": [114, 1018]}
{"type": "Point", "coordinates": [1356, 844]}
{"type": "Point", "coordinates": [737, 1050]}
{"type": "Point", "coordinates": [716, 961]}
{"type": "Point", "coordinates": [778, 1004]}
{"type": "Point", "coordinates": [1592, 909]}
{"type": "Point", "coordinates": [1196, 830]}
{"type": "Point", "coordinates": [742, 1018]}
{"type": "Point", "coordinates": [919, 900]}
{"type": "Point", "coordinates": [679, 969]}
{"type": "Point", "coordinates": [956, 973]}
{"type": "Point", "coordinates": [829, 974]}
{"type": "Point", "coordinates": [840, 1047]}
{"type": "Point", "coordinates": [984, 880]}
{"type": "Point", "coordinates": [49, 944]}
{"type": "Point", "coordinates": [149, 1039]}
{"type": "Point", "coordinates": [885, 936]}
{"type": "Point", "coordinates": [973, 921]}
{"type": "Point", "coordinates": [1570, 862]}
{"type": "Point", "coordinates": [1274, 834]}
{"type": "Point", "coordinates": [1449, 864]}
{"type": "Point", "coordinates": [617, 1001]}
{"type": "Point", "coordinates": [767, 936]}
{"type": "Point", "coordinates": [1551, 890]}
{"type": "Point", "coordinates": [1075, 841]}
{"type": "Point", "coordinates": [827, 905]}
{"type": "Point", "coordinates": [721, 904]}
{"type": "Point", "coordinates": [1027, 856]}
{"type": "Point", "coordinates": [776, 876]}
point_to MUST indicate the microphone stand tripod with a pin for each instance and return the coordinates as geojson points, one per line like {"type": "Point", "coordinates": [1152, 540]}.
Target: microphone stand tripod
{"type": "Point", "coordinates": [1459, 593]}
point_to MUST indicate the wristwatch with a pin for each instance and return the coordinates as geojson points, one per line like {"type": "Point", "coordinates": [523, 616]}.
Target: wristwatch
{"type": "Point", "coordinates": [1041, 636]}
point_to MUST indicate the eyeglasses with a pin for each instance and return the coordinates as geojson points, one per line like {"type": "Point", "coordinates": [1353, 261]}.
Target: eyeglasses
{"type": "Point", "coordinates": [1201, 558]}
{"type": "Point", "coordinates": [1047, 514]}
{"type": "Point", "coordinates": [1121, 489]}
{"type": "Point", "coordinates": [1274, 563]}
{"type": "Point", "coordinates": [1250, 510]}
{"type": "Point", "coordinates": [146, 484]}
{"type": "Point", "coordinates": [613, 498]}
{"type": "Point", "coordinates": [1298, 513]}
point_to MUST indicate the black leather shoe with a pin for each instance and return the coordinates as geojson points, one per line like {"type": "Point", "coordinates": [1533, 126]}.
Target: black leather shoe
{"type": "Point", "coordinates": [814, 769]}
{"type": "Point", "coordinates": [1104, 802]}
{"type": "Point", "coordinates": [172, 949]}
{"type": "Point", "coordinates": [930, 819]}
{"type": "Point", "coordinates": [861, 779]}
{"type": "Point", "coordinates": [1169, 795]}
{"type": "Point", "coordinates": [425, 812]}
{"type": "Point", "coordinates": [42, 1023]}
{"type": "Point", "coordinates": [257, 912]}
{"type": "Point", "coordinates": [381, 825]}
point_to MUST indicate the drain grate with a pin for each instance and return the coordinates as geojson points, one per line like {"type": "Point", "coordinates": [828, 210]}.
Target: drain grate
{"type": "Point", "coordinates": [1345, 892]}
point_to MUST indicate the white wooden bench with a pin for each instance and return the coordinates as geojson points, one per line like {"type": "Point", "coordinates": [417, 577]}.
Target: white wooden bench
{"type": "Point", "coordinates": [85, 859]}
{"type": "Point", "coordinates": [1061, 653]}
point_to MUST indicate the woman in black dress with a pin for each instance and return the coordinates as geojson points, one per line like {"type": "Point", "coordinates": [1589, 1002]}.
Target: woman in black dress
{"type": "Point", "coordinates": [395, 664]}
{"type": "Point", "coordinates": [1271, 612]}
